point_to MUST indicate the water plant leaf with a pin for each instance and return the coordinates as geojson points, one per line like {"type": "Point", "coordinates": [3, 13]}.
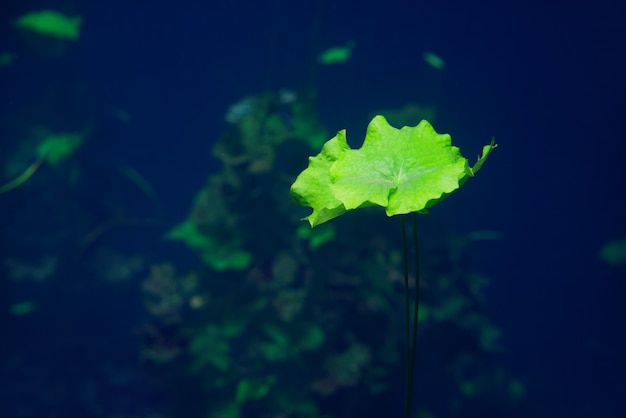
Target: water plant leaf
{"type": "Point", "coordinates": [403, 170]}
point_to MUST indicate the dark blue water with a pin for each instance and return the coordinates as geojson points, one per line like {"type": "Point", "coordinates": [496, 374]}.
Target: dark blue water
{"type": "Point", "coordinates": [545, 79]}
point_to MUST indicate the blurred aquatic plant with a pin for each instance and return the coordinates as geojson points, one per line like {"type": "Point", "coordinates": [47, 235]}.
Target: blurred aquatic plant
{"type": "Point", "coordinates": [277, 336]}
{"type": "Point", "coordinates": [52, 149]}
{"type": "Point", "coordinates": [56, 147]}
{"type": "Point", "coordinates": [23, 308]}
{"type": "Point", "coordinates": [51, 23]}
{"type": "Point", "coordinates": [36, 271]}
{"type": "Point", "coordinates": [167, 294]}
{"type": "Point", "coordinates": [262, 124]}
{"type": "Point", "coordinates": [219, 254]}
{"type": "Point", "coordinates": [403, 170]}
{"type": "Point", "coordinates": [434, 60]}
{"type": "Point", "coordinates": [7, 58]}
{"type": "Point", "coordinates": [22, 178]}
{"type": "Point", "coordinates": [614, 252]}
{"type": "Point", "coordinates": [344, 369]}
{"type": "Point", "coordinates": [337, 54]}
{"type": "Point", "coordinates": [211, 347]}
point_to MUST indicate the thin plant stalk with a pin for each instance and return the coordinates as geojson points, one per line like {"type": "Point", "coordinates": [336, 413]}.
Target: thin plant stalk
{"type": "Point", "coordinates": [411, 343]}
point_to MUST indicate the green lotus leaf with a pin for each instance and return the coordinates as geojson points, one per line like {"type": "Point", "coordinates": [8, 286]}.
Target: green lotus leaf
{"type": "Point", "coordinates": [403, 170]}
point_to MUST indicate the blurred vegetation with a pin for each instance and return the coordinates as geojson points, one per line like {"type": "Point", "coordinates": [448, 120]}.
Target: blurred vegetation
{"type": "Point", "coordinates": [288, 321]}
{"type": "Point", "coordinates": [275, 320]}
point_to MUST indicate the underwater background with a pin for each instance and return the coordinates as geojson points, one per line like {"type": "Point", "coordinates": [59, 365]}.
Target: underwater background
{"type": "Point", "coordinates": [153, 263]}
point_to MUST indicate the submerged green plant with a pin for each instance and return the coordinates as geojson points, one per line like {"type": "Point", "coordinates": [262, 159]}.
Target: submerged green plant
{"type": "Point", "coordinates": [403, 170]}
{"type": "Point", "coordinates": [51, 23]}
{"type": "Point", "coordinates": [53, 149]}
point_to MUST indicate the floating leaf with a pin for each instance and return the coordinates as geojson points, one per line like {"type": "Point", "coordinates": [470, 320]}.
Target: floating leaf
{"type": "Point", "coordinates": [403, 170]}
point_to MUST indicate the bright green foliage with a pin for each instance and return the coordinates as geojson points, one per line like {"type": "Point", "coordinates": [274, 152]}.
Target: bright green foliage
{"type": "Point", "coordinates": [55, 148]}
{"type": "Point", "coordinates": [403, 170]}
{"type": "Point", "coordinates": [51, 23]}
